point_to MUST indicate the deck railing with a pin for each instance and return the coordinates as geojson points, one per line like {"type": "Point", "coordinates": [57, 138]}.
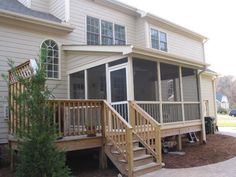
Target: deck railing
{"type": "Point", "coordinates": [146, 129]}
{"type": "Point", "coordinates": [192, 111]}
{"type": "Point", "coordinates": [152, 108]}
{"type": "Point", "coordinates": [77, 117]}
{"type": "Point", "coordinates": [119, 133]}
{"type": "Point", "coordinates": [122, 109]}
{"type": "Point", "coordinates": [171, 111]}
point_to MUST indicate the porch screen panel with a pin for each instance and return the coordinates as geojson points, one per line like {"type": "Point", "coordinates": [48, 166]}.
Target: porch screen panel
{"type": "Point", "coordinates": [170, 82]}
{"type": "Point", "coordinates": [96, 79]}
{"type": "Point", "coordinates": [145, 80]}
{"type": "Point", "coordinates": [77, 86]}
{"type": "Point", "coordinates": [190, 84]}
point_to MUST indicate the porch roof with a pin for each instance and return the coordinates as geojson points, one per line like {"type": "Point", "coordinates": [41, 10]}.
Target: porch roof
{"type": "Point", "coordinates": [132, 50]}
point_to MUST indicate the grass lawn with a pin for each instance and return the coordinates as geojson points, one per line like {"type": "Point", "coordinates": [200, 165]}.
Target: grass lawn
{"type": "Point", "coordinates": [226, 121]}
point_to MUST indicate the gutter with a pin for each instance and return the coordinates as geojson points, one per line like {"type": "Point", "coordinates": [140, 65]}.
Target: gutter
{"type": "Point", "coordinates": [36, 21]}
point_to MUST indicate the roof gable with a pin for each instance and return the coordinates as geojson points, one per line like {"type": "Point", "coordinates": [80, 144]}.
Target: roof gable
{"type": "Point", "coordinates": [17, 7]}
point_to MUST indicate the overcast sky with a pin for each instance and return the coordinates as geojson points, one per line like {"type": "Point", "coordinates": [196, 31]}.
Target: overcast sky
{"type": "Point", "coordinates": [215, 19]}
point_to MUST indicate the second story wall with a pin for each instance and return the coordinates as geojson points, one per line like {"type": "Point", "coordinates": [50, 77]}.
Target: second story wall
{"type": "Point", "coordinates": [40, 5]}
{"type": "Point", "coordinates": [80, 9]}
{"type": "Point", "coordinates": [178, 43]}
{"type": "Point", "coordinates": [57, 8]}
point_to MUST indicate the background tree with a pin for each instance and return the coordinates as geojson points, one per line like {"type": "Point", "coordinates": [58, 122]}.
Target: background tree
{"type": "Point", "coordinates": [227, 86]}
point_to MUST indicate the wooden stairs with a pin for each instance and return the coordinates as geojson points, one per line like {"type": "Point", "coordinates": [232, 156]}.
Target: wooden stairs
{"type": "Point", "coordinates": [142, 161]}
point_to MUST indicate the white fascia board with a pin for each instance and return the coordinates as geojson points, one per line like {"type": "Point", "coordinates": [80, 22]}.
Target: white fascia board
{"type": "Point", "coordinates": [106, 49]}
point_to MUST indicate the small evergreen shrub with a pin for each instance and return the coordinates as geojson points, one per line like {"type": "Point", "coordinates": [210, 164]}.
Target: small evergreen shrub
{"type": "Point", "coordinates": [38, 155]}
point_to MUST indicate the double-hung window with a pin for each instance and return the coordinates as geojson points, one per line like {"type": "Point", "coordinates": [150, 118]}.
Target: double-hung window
{"type": "Point", "coordinates": [93, 31]}
{"type": "Point", "coordinates": [155, 39]}
{"type": "Point", "coordinates": [107, 33]}
{"type": "Point", "coordinates": [104, 32]}
{"type": "Point", "coordinates": [120, 35]}
{"type": "Point", "coordinates": [163, 41]}
{"type": "Point", "coordinates": [158, 40]}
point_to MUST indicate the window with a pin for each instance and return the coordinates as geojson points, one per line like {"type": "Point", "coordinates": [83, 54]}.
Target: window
{"type": "Point", "coordinates": [104, 32]}
{"type": "Point", "coordinates": [77, 85]}
{"type": "Point", "coordinates": [50, 56]}
{"type": "Point", "coordinates": [107, 33]}
{"type": "Point", "coordinates": [155, 40]}
{"type": "Point", "coordinates": [120, 35]}
{"type": "Point", "coordinates": [93, 31]}
{"type": "Point", "coordinates": [158, 40]}
{"type": "Point", "coordinates": [163, 42]}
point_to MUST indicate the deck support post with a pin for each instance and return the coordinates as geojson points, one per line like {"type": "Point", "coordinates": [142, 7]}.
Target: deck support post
{"type": "Point", "coordinates": [102, 158]}
{"type": "Point", "coordinates": [179, 142]}
{"type": "Point", "coordinates": [12, 158]}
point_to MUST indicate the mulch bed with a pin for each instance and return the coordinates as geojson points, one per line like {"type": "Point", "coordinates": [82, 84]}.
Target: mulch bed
{"type": "Point", "coordinates": [218, 148]}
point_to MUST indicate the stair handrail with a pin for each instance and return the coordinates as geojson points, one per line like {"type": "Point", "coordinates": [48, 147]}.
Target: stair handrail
{"type": "Point", "coordinates": [120, 133]}
{"type": "Point", "coordinates": [146, 129]}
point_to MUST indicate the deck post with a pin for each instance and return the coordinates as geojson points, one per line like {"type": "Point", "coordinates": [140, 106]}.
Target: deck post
{"type": "Point", "coordinates": [129, 134]}
{"type": "Point", "coordinates": [179, 142]}
{"type": "Point", "coordinates": [131, 115]}
{"type": "Point", "coordinates": [102, 155]}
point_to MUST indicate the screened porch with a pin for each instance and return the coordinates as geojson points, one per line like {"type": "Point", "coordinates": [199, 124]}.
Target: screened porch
{"type": "Point", "coordinates": [168, 92]}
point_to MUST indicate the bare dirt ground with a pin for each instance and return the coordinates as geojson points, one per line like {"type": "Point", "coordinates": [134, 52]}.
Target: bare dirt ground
{"type": "Point", "coordinates": [217, 149]}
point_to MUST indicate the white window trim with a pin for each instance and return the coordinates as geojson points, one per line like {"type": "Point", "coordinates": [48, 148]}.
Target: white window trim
{"type": "Point", "coordinates": [150, 38]}
{"type": "Point", "coordinates": [59, 57]}
{"type": "Point", "coordinates": [100, 30]}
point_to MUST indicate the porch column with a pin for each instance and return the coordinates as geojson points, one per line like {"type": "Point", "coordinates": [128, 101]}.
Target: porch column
{"type": "Point", "coordinates": [203, 132]}
{"type": "Point", "coordinates": [130, 79]}
{"type": "Point", "coordinates": [160, 92]}
{"type": "Point", "coordinates": [181, 93]}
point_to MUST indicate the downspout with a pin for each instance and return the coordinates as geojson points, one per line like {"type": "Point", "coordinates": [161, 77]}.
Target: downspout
{"type": "Point", "coordinates": [203, 138]}
{"type": "Point", "coordinates": [214, 90]}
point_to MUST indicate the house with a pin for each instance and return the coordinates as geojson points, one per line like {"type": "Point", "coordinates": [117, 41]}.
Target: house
{"type": "Point", "coordinates": [132, 76]}
{"type": "Point", "coordinates": [222, 101]}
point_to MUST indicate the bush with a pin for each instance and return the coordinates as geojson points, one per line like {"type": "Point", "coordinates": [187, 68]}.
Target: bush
{"type": "Point", "coordinates": [222, 111]}
{"type": "Point", "coordinates": [38, 155]}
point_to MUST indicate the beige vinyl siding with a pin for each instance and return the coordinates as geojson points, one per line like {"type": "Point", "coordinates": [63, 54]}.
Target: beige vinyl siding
{"type": "Point", "coordinates": [208, 93]}
{"type": "Point", "coordinates": [181, 45]}
{"type": "Point", "coordinates": [57, 8]}
{"type": "Point", "coordinates": [20, 44]}
{"type": "Point", "coordinates": [26, 3]}
{"type": "Point", "coordinates": [79, 9]}
{"type": "Point", "coordinates": [141, 33]}
{"type": "Point", "coordinates": [3, 120]}
{"type": "Point", "coordinates": [88, 60]}
{"type": "Point", "coordinates": [40, 5]}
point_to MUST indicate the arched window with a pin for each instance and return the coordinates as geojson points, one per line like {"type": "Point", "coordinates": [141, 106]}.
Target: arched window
{"type": "Point", "coordinates": [50, 56]}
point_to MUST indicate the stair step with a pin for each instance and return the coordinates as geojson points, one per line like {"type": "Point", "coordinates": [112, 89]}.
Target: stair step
{"type": "Point", "coordinates": [147, 168]}
{"type": "Point", "coordinates": [142, 160]}
{"type": "Point", "coordinates": [139, 151]}
{"type": "Point", "coordinates": [135, 143]}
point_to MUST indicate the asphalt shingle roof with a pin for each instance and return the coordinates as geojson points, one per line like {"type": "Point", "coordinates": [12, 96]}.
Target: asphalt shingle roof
{"type": "Point", "coordinates": [17, 7]}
